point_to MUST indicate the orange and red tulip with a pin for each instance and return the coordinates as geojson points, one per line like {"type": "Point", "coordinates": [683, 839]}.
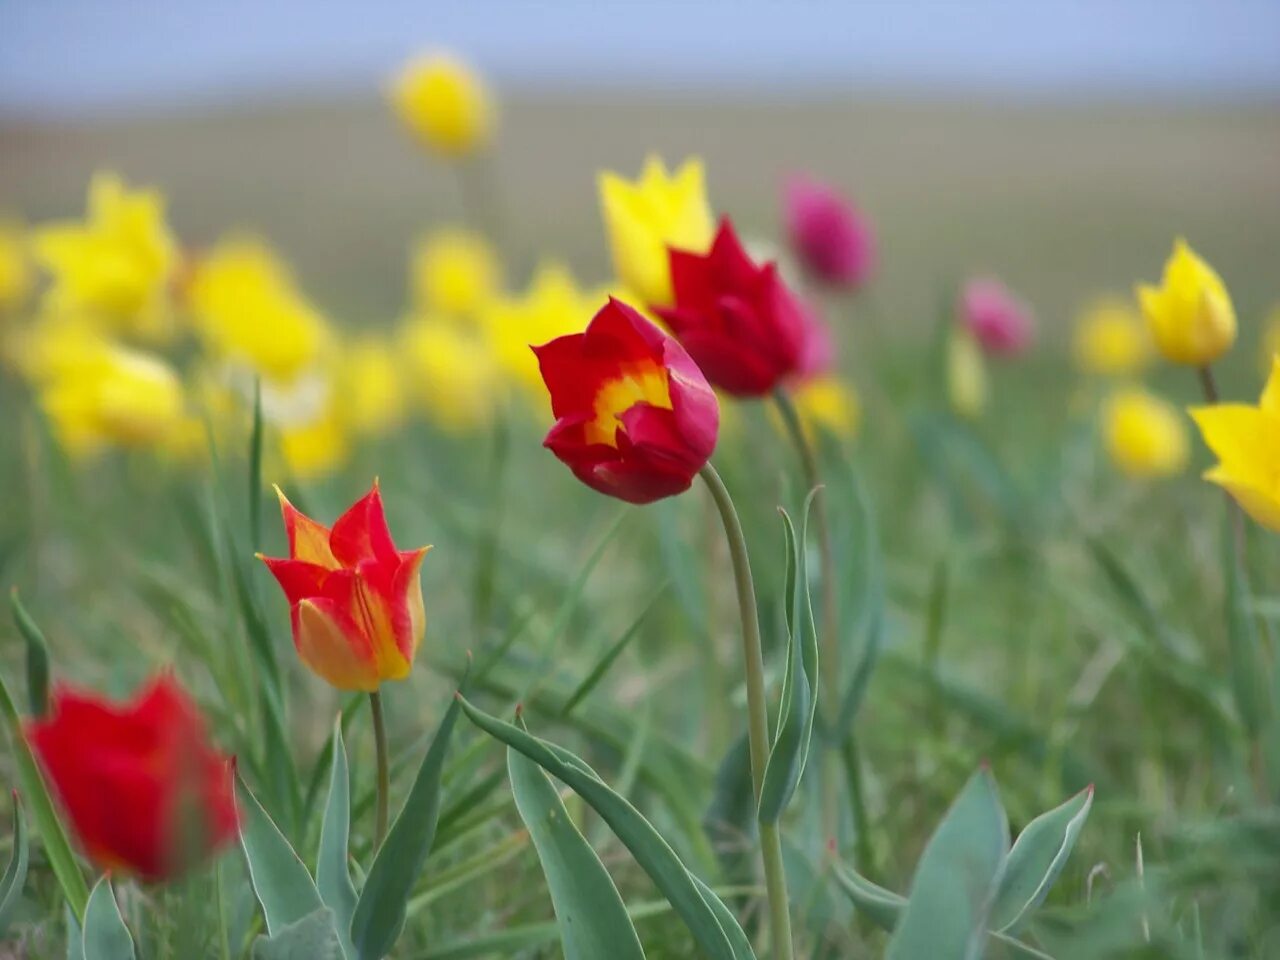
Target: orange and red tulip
{"type": "Point", "coordinates": [635, 417]}
{"type": "Point", "coordinates": [142, 787]}
{"type": "Point", "coordinates": [355, 600]}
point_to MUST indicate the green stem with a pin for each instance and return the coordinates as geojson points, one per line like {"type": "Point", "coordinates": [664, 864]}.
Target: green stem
{"type": "Point", "coordinates": [384, 774]}
{"type": "Point", "coordinates": [830, 636]}
{"type": "Point", "coordinates": [757, 712]}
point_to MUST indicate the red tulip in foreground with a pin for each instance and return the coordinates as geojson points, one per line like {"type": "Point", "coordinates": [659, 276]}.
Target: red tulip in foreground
{"type": "Point", "coordinates": [354, 599]}
{"type": "Point", "coordinates": [831, 238]}
{"type": "Point", "coordinates": [142, 787]}
{"type": "Point", "coordinates": [739, 321]}
{"type": "Point", "coordinates": [635, 417]}
{"type": "Point", "coordinates": [999, 321]}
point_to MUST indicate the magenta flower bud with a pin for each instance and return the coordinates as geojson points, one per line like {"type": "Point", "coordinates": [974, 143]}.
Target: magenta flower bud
{"type": "Point", "coordinates": [830, 237]}
{"type": "Point", "coordinates": [1000, 322]}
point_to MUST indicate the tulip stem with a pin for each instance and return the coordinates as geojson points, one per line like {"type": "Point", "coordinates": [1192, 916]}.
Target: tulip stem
{"type": "Point", "coordinates": [757, 711]}
{"type": "Point", "coordinates": [1209, 385]}
{"type": "Point", "coordinates": [384, 773]}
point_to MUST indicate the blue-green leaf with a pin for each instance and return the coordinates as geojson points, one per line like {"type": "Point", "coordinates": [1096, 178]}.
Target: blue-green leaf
{"type": "Point", "coordinates": [380, 910]}
{"type": "Point", "coordinates": [651, 851]}
{"type": "Point", "coordinates": [592, 918]}
{"type": "Point", "coordinates": [956, 879]}
{"type": "Point", "coordinates": [57, 848]}
{"type": "Point", "coordinates": [15, 874]}
{"type": "Point", "coordinates": [333, 876]}
{"type": "Point", "coordinates": [1036, 859]}
{"type": "Point", "coordinates": [311, 938]}
{"type": "Point", "coordinates": [105, 935]}
{"type": "Point", "coordinates": [790, 750]}
{"type": "Point", "coordinates": [279, 877]}
{"type": "Point", "coordinates": [37, 656]}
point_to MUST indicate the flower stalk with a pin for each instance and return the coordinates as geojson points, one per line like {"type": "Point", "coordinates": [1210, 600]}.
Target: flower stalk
{"type": "Point", "coordinates": [757, 711]}
{"type": "Point", "coordinates": [384, 770]}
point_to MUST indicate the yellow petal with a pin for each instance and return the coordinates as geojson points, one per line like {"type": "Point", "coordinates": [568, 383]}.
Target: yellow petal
{"type": "Point", "coordinates": [342, 659]}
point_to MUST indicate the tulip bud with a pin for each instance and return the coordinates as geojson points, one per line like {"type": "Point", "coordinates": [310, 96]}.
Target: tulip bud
{"type": "Point", "coordinates": [1190, 313]}
{"type": "Point", "coordinates": [832, 239]}
{"type": "Point", "coordinates": [1000, 323]}
{"type": "Point", "coordinates": [966, 375]}
{"type": "Point", "coordinates": [143, 789]}
{"type": "Point", "coordinates": [1111, 339]}
{"type": "Point", "coordinates": [635, 418]}
{"type": "Point", "coordinates": [1145, 436]}
{"type": "Point", "coordinates": [355, 600]}
{"type": "Point", "coordinates": [445, 104]}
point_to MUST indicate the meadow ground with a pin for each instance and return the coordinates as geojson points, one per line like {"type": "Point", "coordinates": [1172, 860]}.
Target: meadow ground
{"type": "Point", "coordinates": [1043, 613]}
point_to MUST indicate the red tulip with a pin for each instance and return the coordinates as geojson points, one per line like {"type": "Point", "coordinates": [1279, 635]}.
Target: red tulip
{"type": "Point", "coordinates": [355, 600]}
{"type": "Point", "coordinates": [1000, 322]}
{"type": "Point", "coordinates": [635, 417]}
{"type": "Point", "coordinates": [739, 321]}
{"type": "Point", "coordinates": [831, 238]}
{"type": "Point", "coordinates": [144, 790]}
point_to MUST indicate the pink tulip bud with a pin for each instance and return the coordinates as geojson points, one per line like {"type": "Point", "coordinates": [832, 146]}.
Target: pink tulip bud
{"type": "Point", "coordinates": [831, 237]}
{"type": "Point", "coordinates": [1000, 322]}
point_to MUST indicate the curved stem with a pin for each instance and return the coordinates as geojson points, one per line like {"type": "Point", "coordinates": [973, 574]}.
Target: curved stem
{"type": "Point", "coordinates": [757, 711]}
{"type": "Point", "coordinates": [384, 774]}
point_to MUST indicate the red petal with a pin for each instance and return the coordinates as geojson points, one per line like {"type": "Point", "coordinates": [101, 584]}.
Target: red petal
{"type": "Point", "coordinates": [361, 533]}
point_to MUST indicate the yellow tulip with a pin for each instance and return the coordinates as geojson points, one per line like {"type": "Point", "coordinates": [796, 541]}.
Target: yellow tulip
{"type": "Point", "coordinates": [442, 101]}
{"type": "Point", "coordinates": [113, 395]}
{"type": "Point", "coordinates": [1111, 339]}
{"type": "Point", "coordinates": [966, 375]}
{"type": "Point", "coordinates": [1246, 441]}
{"type": "Point", "coordinates": [1144, 435]}
{"type": "Point", "coordinates": [553, 305]}
{"type": "Point", "coordinates": [15, 270]}
{"type": "Point", "coordinates": [826, 404]}
{"type": "Point", "coordinates": [452, 374]}
{"type": "Point", "coordinates": [645, 217]}
{"type": "Point", "coordinates": [248, 311]}
{"type": "Point", "coordinates": [1190, 313]}
{"type": "Point", "coordinates": [372, 389]}
{"type": "Point", "coordinates": [117, 263]}
{"type": "Point", "coordinates": [454, 272]}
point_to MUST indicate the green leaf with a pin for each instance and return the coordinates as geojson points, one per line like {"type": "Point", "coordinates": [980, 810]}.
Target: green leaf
{"type": "Point", "coordinates": [75, 939]}
{"type": "Point", "coordinates": [380, 911]}
{"type": "Point", "coordinates": [333, 877]}
{"type": "Point", "coordinates": [255, 470]}
{"type": "Point", "coordinates": [790, 750]}
{"type": "Point", "coordinates": [873, 602]}
{"type": "Point", "coordinates": [37, 657]}
{"type": "Point", "coordinates": [105, 935]}
{"type": "Point", "coordinates": [311, 938]}
{"type": "Point", "coordinates": [650, 850]}
{"type": "Point", "coordinates": [1037, 857]}
{"type": "Point", "coordinates": [1248, 675]}
{"type": "Point", "coordinates": [615, 650]}
{"type": "Point", "coordinates": [956, 879]}
{"type": "Point", "coordinates": [592, 918]}
{"type": "Point", "coordinates": [57, 848]}
{"type": "Point", "coordinates": [279, 877]}
{"type": "Point", "coordinates": [15, 874]}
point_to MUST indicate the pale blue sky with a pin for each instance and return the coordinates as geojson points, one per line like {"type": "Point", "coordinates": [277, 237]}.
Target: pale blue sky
{"type": "Point", "coordinates": [86, 56]}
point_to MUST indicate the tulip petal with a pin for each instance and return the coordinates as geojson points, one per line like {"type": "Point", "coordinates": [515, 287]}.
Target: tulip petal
{"type": "Point", "coordinates": [1261, 504]}
{"type": "Point", "coordinates": [298, 578]}
{"type": "Point", "coordinates": [1245, 439]}
{"type": "Point", "coordinates": [308, 540]}
{"type": "Point", "coordinates": [361, 533]}
{"type": "Point", "coordinates": [332, 645]}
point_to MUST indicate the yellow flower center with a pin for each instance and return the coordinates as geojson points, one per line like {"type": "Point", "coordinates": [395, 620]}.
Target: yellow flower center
{"type": "Point", "coordinates": [638, 383]}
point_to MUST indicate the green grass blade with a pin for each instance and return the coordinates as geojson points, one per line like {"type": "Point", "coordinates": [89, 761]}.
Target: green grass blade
{"type": "Point", "coordinates": [255, 470]}
{"type": "Point", "coordinates": [37, 656]}
{"type": "Point", "coordinates": [280, 879]}
{"type": "Point", "coordinates": [15, 874]}
{"type": "Point", "coordinates": [105, 935]}
{"type": "Point", "coordinates": [596, 674]}
{"type": "Point", "coordinates": [333, 877]}
{"type": "Point", "coordinates": [592, 918]}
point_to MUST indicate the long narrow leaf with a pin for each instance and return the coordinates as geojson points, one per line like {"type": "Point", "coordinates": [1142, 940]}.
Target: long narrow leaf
{"type": "Point", "coordinates": [280, 879]}
{"type": "Point", "coordinates": [1037, 858]}
{"type": "Point", "coordinates": [37, 656]}
{"type": "Point", "coordinates": [105, 935]}
{"type": "Point", "coordinates": [15, 874]}
{"type": "Point", "coordinates": [333, 876]}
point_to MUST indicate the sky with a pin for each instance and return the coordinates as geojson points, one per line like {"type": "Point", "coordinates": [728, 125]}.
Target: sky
{"type": "Point", "coordinates": [89, 57]}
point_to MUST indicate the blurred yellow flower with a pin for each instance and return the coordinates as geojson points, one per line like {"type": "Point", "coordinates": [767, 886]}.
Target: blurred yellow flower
{"type": "Point", "coordinates": [1144, 435]}
{"type": "Point", "coordinates": [454, 272]}
{"type": "Point", "coordinates": [553, 305]}
{"type": "Point", "coordinates": [15, 269]}
{"type": "Point", "coordinates": [314, 447]}
{"type": "Point", "coordinates": [1271, 336]}
{"type": "Point", "coordinates": [248, 311]}
{"type": "Point", "coordinates": [1190, 313]}
{"type": "Point", "coordinates": [370, 385]}
{"type": "Point", "coordinates": [1246, 441]}
{"type": "Point", "coordinates": [644, 217]}
{"type": "Point", "coordinates": [117, 263]}
{"type": "Point", "coordinates": [1111, 339]}
{"type": "Point", "coordinates": [828, 404]}
{"type": "Point", "coordinates": [113, 395]}
{"type": "Point", "coordinates": [966, 375]}
{"type": "Point", "coordinates": [445, 104]}
{"type": "Point", "coordinates": [451, 373]}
